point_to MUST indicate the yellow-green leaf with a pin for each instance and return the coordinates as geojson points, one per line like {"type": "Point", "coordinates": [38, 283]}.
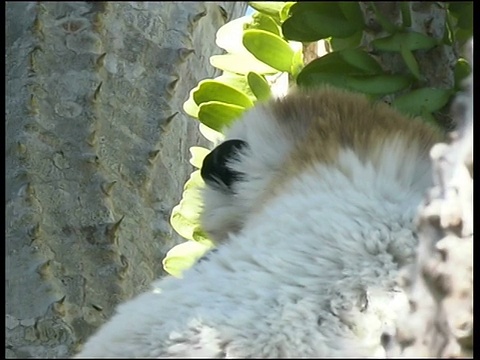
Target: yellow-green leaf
{"type": "Point", "coordinates": [210, 134]}
{"type": "Point", "coordinates": [271, 8]}
{"type": "Point", "coordinates": [218, 115]}
{"type": "Point", "coordinates": [285, 12]}
{"type": "Point", "coordinates": [260, 87]}
{"type": "Point", "coordinates": [229, 36]}
{"type": "Point", "coordinates": [182, 256]}
{"type": "Point", "coordinates": [185, 215]}
{"type": "Point", "coordinates": [264, 22]}
{"type": "Point", "coordinates": [198, 154]}
{"type": "Point", "coordinates": [200, 236]}
{"type": "Point", "coordinates": [212, 90]}
{"type": "Point", "coordinates": [269, 48]}
{"type": "Point", "coordinates": [297, 63]}
{"type": "Point", "coordinates": [236, 81]}
{"type": "Point", "coordinates": [194, 182]}
{"type": "Point", "coordinates": [190, 107]}
{"type": "Point", "coordinates": [461, 71]}
{"type": "Point", "coordinates": [241, 64]}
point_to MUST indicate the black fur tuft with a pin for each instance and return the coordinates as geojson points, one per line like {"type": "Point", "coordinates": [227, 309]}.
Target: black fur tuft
{"type": "Point", "coordinates": [215, 170]}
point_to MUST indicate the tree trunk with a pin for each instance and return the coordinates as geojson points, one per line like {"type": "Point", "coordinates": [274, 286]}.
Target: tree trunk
{"type": "Point", "coordinates": [96, 156]}
{"type": "Point", "coordinates": [440, 284]}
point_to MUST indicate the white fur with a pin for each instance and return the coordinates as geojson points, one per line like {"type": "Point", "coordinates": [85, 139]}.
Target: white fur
{"type": "Point", "coordinates": [295, 279]}
{"type": "Point", "coordinates": [267, 149]}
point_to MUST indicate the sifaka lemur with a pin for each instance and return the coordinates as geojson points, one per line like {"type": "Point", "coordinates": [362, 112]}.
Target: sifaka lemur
{"type": "Point", "coordinates": [311, 200]}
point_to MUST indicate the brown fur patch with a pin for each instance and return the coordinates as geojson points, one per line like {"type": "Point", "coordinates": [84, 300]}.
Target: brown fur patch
{"type": "Point", "coordinates": [323, 122]}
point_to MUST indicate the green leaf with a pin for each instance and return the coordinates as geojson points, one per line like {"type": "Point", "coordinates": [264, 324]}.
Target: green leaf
{"type": "Point", "coordinates": [329, 63]}
{"type": "Point", "coordinates": [182, 256]}
{"type": "Point", "coordinates": [292, 30]}
{"type": "Point", "coordinates": [315, 79]}
{"type": "Point", "coordinates": [259, 86]}
{"type": "Point", "coordinates": [285, 12]}
{"type": "Point", "coordinates": [429, 118]}
{"type": "Point", "coordinates": [210, 134]}
{"type": "Point", "coordinates": [236, 81]}
{"type": "Point", "coordinates": [269, 48]}
{"type": "Point", "coordinates": [190, 106]}
{"type": "Point", "coordinates": [264, 22]}
{"type": "Point", "coordinates": [297, 63]}
{"type": "Point", "coordinates": [312, 21]}
{"type": "Point", "coordinates": [378, 84]}
{"type": "Point", "coordinates": [361, 60]}
{"type": "Point", "coordinates": [185, 215]}
{"type": "Point", "coordinates": [463, 11]}
{"type": "Point", "coordinates": [350, 42]}
{"type": "Point", "coordinates": [457, 7]}
{"type": "Point", "coordinates": [461, 71]}
{"type": "Point", "coordinates": [408, 40]}
{"type": "Point", "coordinates": [241, 64]}
{"type": "Point", "coordinates": [229, 36]}
{"type": "Point", "coordinates": [194, 184]}
{"type": "Point", "coordinates": [411, 63]}
{"type": "Point", "coordinates": [353, 13]}
{"type": "Point", "coordinates": [212, 90]}
{"type": "Point", "coordinates": [271, 8]}
{"type": "Point", "coordinates": [463, 35]}
{"type": "Point", "coordinates": [229, 87]}
{"type": "Point", "coordinates": [200, 236]}
{"type": "Point", "coordinates": [198, 153]}
{"type": "Point", "coordinates": [348, 61]}
{"type": "Point", "coordinates": [406, 13]}
{"type": "Point", "coordinates": [351, 69]}
{"type": "Point", "coordinates": [218, 115]}
{"type": "Point", "coordinates": [366, 84]}
{"type": "Point", "coordinates": [422, 100]}
{"type": "Point", "coordinates": [181, 224]}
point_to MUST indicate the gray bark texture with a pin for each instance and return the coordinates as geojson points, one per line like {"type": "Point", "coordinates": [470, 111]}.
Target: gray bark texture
{"type": "Point", "coordinates": [440, 284]}
{"type": "Point", "coordinates": [96, 156]}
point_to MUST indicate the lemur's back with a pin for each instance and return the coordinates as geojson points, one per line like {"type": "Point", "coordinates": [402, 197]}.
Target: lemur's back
{"type": "Point", "coordinates": [311, 200]}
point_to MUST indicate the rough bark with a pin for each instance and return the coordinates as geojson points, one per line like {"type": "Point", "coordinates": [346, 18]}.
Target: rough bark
{"type": "Point", "coordinates": [96, 156]}
{"type": "Point", "coordinates": [440, 284]}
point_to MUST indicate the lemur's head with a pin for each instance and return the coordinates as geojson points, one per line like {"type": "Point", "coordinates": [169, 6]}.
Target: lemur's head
{"type": "Point", "coordinates": [276, 142]}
